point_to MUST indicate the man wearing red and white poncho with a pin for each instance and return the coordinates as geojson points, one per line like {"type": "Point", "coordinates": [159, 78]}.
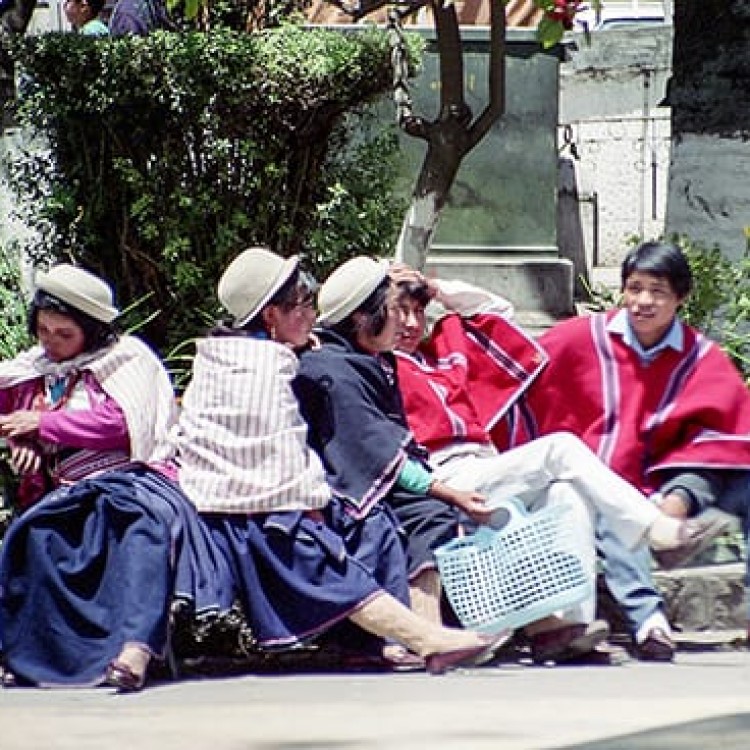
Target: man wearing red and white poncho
{"type": "Point", "coordinates": [660, 404]}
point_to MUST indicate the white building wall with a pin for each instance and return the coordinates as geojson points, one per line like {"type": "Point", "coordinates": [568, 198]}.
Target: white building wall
{"type": "Point", "coordinates": [613, 12]}
{"type": "Point", "coordinates": [48, 16]}
{"type": "Point", "coordinates": [10, 227]}
{"type": "Point", "coordinates": [622, 173]}
{"type": "Point", "coordinates": [610, 96]}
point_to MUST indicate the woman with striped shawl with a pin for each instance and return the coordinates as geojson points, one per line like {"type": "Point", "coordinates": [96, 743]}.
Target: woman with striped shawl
{"type": "Point", "coordinates": [302, 562]}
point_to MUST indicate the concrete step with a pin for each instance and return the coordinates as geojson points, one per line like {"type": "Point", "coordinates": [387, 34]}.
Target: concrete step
{"type": "Point", "coordinates": [536, 322]}
{"type": "Point", "coordinates": [705, 599]}
{"type": "Point", "coordinates": [705, 603]}
{"type": "Point", "coordinates": [537, 285]}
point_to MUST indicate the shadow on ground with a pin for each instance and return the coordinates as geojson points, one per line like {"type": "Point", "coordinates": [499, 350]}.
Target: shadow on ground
{"type": "Point", "coordinates": [725, 732]}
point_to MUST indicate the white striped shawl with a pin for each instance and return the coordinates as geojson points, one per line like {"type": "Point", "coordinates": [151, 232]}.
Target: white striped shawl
{"type": "Point", "coordinates": [134, 377]}
{"type": "Point", "coordinates": [242, 442]}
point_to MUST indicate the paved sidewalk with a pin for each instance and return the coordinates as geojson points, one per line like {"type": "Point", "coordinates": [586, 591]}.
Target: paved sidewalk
{"type": "Point", "coordinates": [701, 701]}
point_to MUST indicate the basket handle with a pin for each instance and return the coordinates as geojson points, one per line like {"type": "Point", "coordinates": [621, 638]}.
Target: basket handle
{"type": "Point", "coordinates": [505, 510]}
{"type": "Point", "coordinates": [482, 538]}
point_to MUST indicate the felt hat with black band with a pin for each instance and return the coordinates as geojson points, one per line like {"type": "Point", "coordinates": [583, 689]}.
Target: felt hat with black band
{"type": "Point", "coordinates": [80, 289]}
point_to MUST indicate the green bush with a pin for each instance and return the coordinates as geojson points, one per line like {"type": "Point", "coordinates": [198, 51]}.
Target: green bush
{"type": "Point", "coordinates": [719, 304]}
{"type": "Point", "coordinates": [154, 160]}
{"type": "Point", "coordinates": [14, 336]}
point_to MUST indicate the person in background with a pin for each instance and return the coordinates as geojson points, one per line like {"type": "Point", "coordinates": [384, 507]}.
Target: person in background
{"type": "Point", "coordinates": [303, 562]}
{"type": "Point", "coordinates": [660, 404]}
{"type": "Point", "coordinates": [139, 18]}
{"type": "Point", "coordinates": [458, 380]}
{"type": "Point", "coordinates": [83, 16]}
{"type": "Point", "coordinates": [106, 541]}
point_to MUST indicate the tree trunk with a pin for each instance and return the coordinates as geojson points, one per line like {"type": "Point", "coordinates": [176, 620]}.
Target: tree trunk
{"type": "Point", "coordinates": [453, 134]}
{"type": "Point", "coordinates": [709, 196]}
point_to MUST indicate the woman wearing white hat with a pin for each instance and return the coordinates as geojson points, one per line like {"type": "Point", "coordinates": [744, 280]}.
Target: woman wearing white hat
{"type": "Point", "coordinates": [86, 573]}
{"type": "Point", "coordinates": [348, 395]}
{"type": "Point", "coordinates": [296, 554]}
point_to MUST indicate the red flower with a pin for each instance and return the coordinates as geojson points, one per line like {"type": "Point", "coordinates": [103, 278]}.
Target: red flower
{"type": "Point", "coordinates": [564, 12]}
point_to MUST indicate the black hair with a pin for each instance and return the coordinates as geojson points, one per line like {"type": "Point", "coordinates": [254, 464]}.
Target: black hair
{"type": "Point", "coordinates": [416, 290]}
{"type": "Point", "coordinates": [298, 289]}
{"type": "Point", "coordinates": [661, 259]}
{"type": "Point", "coordinates": [96, 6]}
{"type": "Point", "coordinates": [96, 333]}
{"type": "Point", "coordinates": [375, 311]}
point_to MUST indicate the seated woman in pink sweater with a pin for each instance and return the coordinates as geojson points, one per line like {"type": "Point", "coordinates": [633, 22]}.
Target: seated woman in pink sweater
{"type": "Point", "coordinates": [89, 568]}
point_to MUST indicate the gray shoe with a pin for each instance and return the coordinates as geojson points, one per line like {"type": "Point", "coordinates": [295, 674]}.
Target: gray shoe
{"type": "Point", "coordinates": [696, 535]}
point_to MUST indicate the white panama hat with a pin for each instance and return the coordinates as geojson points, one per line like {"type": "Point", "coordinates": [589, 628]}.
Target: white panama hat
{"type": "Point", "coordinates": [251, 279]}
{"type": "Point", "coordinates": [80, 289]}
{"type": "Point", "coordinates": [348, 287]}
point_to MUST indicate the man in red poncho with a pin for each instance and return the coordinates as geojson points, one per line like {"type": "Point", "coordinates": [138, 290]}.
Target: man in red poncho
{"type": "Point", "coordinates": [658, 402]}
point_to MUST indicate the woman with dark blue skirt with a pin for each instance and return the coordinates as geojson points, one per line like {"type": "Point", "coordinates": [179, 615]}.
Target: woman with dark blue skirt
{"type": "Point", "coordinates": [347, 389]}
{"type": "Point", "coordinates": [303, 560]}
{"type": "Point", "coordinates": [93, 568]}
{"type": "Point", "coordinates": [88, 571]}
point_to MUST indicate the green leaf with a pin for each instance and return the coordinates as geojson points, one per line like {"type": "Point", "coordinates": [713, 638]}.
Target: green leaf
{"type": "Point", "coordinates": [549, 32]}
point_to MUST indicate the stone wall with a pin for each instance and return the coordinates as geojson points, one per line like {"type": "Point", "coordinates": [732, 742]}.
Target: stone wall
{"type": "Point", "coordinates": [710, 598]}
{"type": "Point", "coordinates": [711, 206]}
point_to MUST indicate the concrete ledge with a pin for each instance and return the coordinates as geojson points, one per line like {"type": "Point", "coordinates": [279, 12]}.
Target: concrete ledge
{"type": "Point", "coordinates": [706, 604]}
{"type": "Point", "coordinates": [539, 285]}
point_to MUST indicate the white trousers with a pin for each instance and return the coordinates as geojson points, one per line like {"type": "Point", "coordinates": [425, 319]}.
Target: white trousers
{"type": "Point", "coordinates": [555, 469]}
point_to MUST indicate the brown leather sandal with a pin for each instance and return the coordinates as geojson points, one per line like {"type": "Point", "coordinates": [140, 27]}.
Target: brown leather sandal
{"type": "Point", "coordinates": [119, 675]}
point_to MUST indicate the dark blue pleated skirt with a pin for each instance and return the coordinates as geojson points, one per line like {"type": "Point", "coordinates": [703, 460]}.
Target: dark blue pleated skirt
{"type": "Point", "coordinates": [299, 577]}
{"type": "Point", "coordinates": [96, 565]}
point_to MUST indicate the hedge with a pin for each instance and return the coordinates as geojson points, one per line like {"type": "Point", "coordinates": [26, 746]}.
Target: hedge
{"type": "Point", "coordinates": [154, 160]}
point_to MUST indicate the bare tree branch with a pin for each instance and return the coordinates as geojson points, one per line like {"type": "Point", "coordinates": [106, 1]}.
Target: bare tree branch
{"type": "Point", "coordinates": [496, 106]}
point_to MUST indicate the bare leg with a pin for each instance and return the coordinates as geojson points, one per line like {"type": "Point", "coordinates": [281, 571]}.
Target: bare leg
{"type": "Point", "coordinates": [425, 591]}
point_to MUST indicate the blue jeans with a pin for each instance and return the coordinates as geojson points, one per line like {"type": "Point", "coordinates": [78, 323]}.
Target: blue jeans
{"type": "Point", "coordinates": [627, 574]}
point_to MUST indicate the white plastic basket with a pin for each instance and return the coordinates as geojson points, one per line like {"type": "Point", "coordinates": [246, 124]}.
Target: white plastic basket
{"type": "Point", "coordinates": [514, 575]}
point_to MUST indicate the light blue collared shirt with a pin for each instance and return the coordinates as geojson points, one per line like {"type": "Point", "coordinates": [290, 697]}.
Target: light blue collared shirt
{"type": "Point", "coordinates": [620, 324]}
